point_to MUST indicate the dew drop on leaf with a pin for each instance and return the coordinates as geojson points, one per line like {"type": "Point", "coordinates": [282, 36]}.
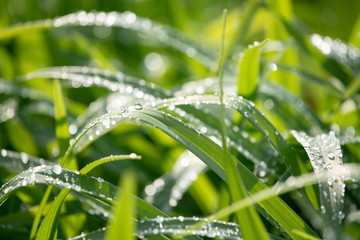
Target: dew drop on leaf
{"type": "Point", "coordinates": [57, 169]}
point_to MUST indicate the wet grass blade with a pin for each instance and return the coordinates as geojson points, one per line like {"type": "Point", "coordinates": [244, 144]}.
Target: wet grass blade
{"type": "Point", "coordinates": [325, 154]}
{"type": "Point", "coordinates": [96, 187]}
{"type": "Point", "coordinates": [128, 20]}
{"type": "Point", "coordinates": [207, 151]}
{"type": "Point", "coordinates": [48, 227]}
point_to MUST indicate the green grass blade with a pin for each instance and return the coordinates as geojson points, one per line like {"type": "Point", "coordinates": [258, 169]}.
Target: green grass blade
{"type": "Point", "coordinates": [325, 154]}
{"type": "Point", "coordinates": [63, 137]}
{"type": "Point", "coordinates": [122, 225]}
{"type": "Point", "coordinates": [49, 175]}
{"type": "Point", "coordinates": [111, 158]}
{"type": "Point", "coordinates": [128, 20]}
{"type": "Point", "coordinates": [207, 151]}
{"type": "Point", "coordinates": [62, 128]}
{"type": "Point", "coordinates": [19, 162]}
{"type": "Point", "coordinates": [249, 70]}
{"type": "Point", "coordinates": [48, 228]}
{"type": "Point", "coordinates": [249, 220]}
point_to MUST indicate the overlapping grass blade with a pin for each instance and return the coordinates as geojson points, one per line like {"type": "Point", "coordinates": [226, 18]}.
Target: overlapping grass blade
{"type": "Point", "coordinates": [48, 227]}
{"type": "Point", "coordinates": [73, 180]}
{"type": "Point", "coordinates": [127, 20]}
{"type": "Point", "coordinates": [205, 149]}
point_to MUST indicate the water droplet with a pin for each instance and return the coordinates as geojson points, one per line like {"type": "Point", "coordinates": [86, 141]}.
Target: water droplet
{"type": "Point", "coordinates": [331, 156]}
{"type": "Point", "coordinates": [3, 152]}
{"type": "Point", "coordinates": [159, 219]}
{"type": "Point", "coordinates": [133, 155]}
{"type": "Point", "coordinates": [138, 106]}
{"type": "Point", "coordinates": [24, 158]}
{"type": "Point", "coordinates": [57, 169]}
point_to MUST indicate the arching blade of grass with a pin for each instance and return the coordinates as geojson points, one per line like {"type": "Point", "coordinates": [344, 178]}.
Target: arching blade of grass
{"type": "Point", "coordinates": [178, 225]}
{"type": "Point", "coordinates": [249, 70]}
{"type": "Point", "coordinates": [90, 77]}
{"type": "Point", "coordinates": [338, 50]}
{"type": "Point", "coordinates": [48, 227]}
{"type": "Point", "coordinates": [346, 172]}
{"type": "Point", "coordinates": [127, 20]}
{"type": "Point", "coordinates": [325, 154]}
{"type": "Point", "coordinates": [122, 225]}
{"type": "Point", "coordinates": [9, 88]}
{"type": "Point", "coordinates": [19, 161]}
{"type": "Point", "coordinates": [206, 150]}
{"type": "Point", "coordinates": [48, 175]}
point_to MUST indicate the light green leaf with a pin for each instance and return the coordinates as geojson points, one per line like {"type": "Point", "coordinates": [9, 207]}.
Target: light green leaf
{"type": "Point", "coordinates": [122, 225]}
{"type": "Point", "coordinates": [249, 69]}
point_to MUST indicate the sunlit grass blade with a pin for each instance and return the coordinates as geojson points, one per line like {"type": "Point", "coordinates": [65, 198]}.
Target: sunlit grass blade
{"type": "Point", "coordinates": [19, 162]}
{"type": "Point", "coordinates": [127, 20]}
{"type": "Point", "coordinates": [48, 227]}
{"type": "Point", "coordinates": [325, 154]}
{"type": "Point", "coordinates": [91, 77]}
{"type": "Point", "coordinates": [122, 224]}
{"type": "Point", "coordinates": [49, 175]}
{"type": "Point", "coordinates": [249, 70]}
{"type": "Point", "coordinates": [205, 149]}
{"type": "Point", "coordinates": [347, 172]}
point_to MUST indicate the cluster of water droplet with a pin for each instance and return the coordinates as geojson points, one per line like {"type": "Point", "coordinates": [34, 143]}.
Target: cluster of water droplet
{"type": "Point", "coordinates": [325, 154]}
{"type": "Point", "coordinates": [335, 48]}
{"type": "Point", "coordinates": [183, 225]}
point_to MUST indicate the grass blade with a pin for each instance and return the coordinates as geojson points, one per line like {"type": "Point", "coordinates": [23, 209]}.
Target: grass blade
{"type": "Point", "coordinates": [249, 70]}
{"type": "Point", "coordinates": [325, 154]}
{"type": "Point", "coordinates": [48, 228]}
{"type": "Point", "coordinates": [122, 225]}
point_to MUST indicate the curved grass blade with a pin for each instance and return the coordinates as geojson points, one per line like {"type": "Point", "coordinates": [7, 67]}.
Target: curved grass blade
{"type": "Point", "coordinates": [19, 161]}
{"type": "Point", "coordinates": [48, 227]}
{"type": "Point", "coordinates": [207, 151]}
{"type": "Point", "coordinates": [89, 77]}
{"type": "Point", "coordinates": [122, 225]}
{"type": "Point", "coordinates": [8, 88]}
{"type": "Point", "coordinates": [178, 225]}
{"type": "Point", "coordinates": [48, 175]}
{"type": "Point", "coordinates": [127, 20]}
{"type": "Point", "coordinates": [325, 154]}
{"type": "Point", "coordinates": [338, 50]}
{"type": "Point", "coordinates": [347, 172]}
